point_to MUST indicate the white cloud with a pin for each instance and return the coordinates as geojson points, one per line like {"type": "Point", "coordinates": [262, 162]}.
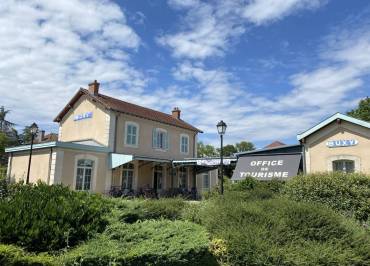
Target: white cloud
{"type": "Point", "coordinates": [264, 11]}
{"type": "Point", "coordinates": [48, 49]}
{"type": "Point", "coordinates": [209, 28]}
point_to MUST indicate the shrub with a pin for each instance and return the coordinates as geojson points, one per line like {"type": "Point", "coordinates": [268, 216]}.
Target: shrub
{"type": "Point", "coordinates": [132, 211]}
{"type": "Point", "coordinates": [280, 231]}
{"type": "Point", "coordinates": [150, 242]}
{"type": "Point", "coordinates": [12, 255]}
{"type": "Point", "coordinates": [349, 193]}
{"type": "Point", "coordinates": [43, 218]}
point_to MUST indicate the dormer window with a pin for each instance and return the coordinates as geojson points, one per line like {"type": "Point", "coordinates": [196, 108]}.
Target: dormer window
{"type": "Point", "coordinates": [131, 134]}
{"type": "Point", "coordinates": [160, 139]}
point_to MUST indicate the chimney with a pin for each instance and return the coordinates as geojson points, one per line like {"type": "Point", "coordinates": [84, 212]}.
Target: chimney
{"type": "Point", "coordinates": [94, 88]}
{"type": "Point", "coordinates": [176, 113]}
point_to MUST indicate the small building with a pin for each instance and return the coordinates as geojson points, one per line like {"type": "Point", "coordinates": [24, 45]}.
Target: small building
{"type": "Point", "coordinates": [339, 143]}
{"type": "Point", "coordinates": [105, 144]}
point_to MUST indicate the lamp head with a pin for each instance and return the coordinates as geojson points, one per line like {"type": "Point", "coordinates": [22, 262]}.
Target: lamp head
{"type": "Point", "coordinates": [221, 127]}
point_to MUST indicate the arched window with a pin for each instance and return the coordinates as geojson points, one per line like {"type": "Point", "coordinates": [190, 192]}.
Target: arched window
{"type": "Point", "coordinates": [347, 166]}
{"type": "Point", "coordinates": [84, 174]}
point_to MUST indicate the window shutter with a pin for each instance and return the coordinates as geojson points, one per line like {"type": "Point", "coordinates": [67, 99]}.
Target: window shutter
{"type": "Point", "coordinates": [154, 138]}
{"type": "Point", "coordinates": [167, 141]}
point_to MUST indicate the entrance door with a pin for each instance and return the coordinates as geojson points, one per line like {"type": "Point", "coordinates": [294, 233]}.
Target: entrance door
{"type": "Point", "coordinates": [158, 179]}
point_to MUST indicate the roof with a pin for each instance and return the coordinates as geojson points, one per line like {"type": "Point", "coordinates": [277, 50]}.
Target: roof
{"type": "Point", "coordinates": [285, 149]}
{"type": "Point", "coordinates": [330, 120]}
{"type": "Point", "coordinates": [275, 144]}
{"type": "Point", "coordinates": [127, 108]}
{"type": "Point", "coordinates": [60, 144]}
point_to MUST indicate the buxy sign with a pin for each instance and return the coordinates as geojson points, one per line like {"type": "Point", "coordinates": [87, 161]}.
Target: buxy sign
{"type": "Point", "coordinates": [341, 143]}
{"type": "Point", "coordinates": [83, 116]}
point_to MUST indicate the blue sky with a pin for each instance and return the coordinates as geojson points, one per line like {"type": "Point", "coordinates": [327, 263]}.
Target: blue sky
{"type": "Point", "coordinates": [269, 68]}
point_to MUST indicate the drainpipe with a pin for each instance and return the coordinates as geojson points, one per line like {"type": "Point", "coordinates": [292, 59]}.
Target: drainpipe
{"type": "Point", "coordinates": [115, 133]}
{"type": "Point", "coordinates": [50, 159]}
{"type": "Point", "coordinates": [304, 156]}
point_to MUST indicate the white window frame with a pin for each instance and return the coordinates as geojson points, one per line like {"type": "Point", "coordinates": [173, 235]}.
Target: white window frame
{"type": "Point", "coordinates": [93, 174]}
{"type": "Point", "coordinates": [125, 168]}
{"type": "Point", "coordinates": [130, 123]}
{"type": "Point", "coordinates": [158, 129]}
{"type": "Point", "coordinates": [209, 181]}
{"type": "Point", "coordinates": [188, 143]}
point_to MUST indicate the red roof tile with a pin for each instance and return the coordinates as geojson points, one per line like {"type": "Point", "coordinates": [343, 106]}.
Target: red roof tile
{"type": "Point", "coordinates": [128, 108]}
{"type": "Point", "coordinates": [275, 144]}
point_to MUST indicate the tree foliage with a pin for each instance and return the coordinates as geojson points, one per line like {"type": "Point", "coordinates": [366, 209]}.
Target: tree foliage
{"type": "Point", "coordinates": [5, 125]}
{"type": "Point", "coordinates": [362, 111]}
{"type": "Point", "coordinates": [206, 150]}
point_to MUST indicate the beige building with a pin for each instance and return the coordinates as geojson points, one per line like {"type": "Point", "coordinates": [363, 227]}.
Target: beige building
{"type": "Point", "coordinates": [107, 145]}
{"type": "Point", "coordinates": [339, 143]}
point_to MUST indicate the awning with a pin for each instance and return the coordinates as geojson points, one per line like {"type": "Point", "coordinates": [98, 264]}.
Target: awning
{"type": "Point", "coordinates": [117, 159]}
{"type": "Point", "coordinates": [267, 167]}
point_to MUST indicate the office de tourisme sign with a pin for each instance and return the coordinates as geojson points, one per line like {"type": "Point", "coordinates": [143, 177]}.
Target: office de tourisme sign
{"type": "Point", "coordinates": [267, 167]}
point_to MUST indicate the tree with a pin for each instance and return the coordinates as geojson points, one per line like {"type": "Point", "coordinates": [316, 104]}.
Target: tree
{"type": "Point", "coordinates": [5, 125]}
{"type": "Point", "coordinates": [206, 150]}
{"type": "Point", "coordinates": [4, 142]}
{"type": "Point", "coordinates": [229, 150]}
{"type": "Point", "coordinates": [244, 146]}
{"type": "Point", "coordinates": [362, 111]}
{"type": "Point", "coordinates": [26, 135]}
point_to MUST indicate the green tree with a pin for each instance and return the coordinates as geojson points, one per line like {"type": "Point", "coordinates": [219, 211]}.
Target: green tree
{"type": "Point", "coordinates": [206, 150]}
{"type": "Point", "coordinates": [5, 125]}
{"type": "Point", "coordinates": [26, 135]}
{"type": "Point", "coordinates": [229, 150]}
{"type": "Point", "coordinates": [362, 111]}
{"type": "Point", "coordinates": [4, 142]}
{"type": "Point", "coordinates": [244, 146]}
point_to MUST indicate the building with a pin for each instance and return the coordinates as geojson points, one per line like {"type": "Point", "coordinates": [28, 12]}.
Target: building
{"type": "Point", "coordinates": [105, 144]}
{"type": "Point", "coordinates": [339, 143]}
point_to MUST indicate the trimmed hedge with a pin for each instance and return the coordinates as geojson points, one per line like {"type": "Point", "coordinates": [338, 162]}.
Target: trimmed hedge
{"type": "Point", "coordinates": [12, 255]}
{"type": "Point", "coordinates": [280, 231]}
{"type": "Point", "coordinates": [349, 193]}
{"type": "Point", "coordinates": [150, 242]}
{"type": "Point", "coordinates": [45, 218]}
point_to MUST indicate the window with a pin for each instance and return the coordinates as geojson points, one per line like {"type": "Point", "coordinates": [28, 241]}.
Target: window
{"type": "Point", "coordinates": [184, 143]}
{"type": "Point", "coordinates": [160, 139]}
{"type": "Point", "coordinates": [132, 134]}
{"type": "Point", "coordinates": [205, 181]}
{"type": "Point", "coordinates": [127, 176]}
{"type": "Point", "coordinates": [347, 166]}
{"type": "Point", "coordinates": [183, 176]}
{"type": "Point", "coordinates": [84, 174]}
{"type": "Point", "coordinates": [158, 177]}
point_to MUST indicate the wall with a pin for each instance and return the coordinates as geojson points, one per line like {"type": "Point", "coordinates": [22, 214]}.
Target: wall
{"type": "Point", "coordinates": [101, 174]}
{"type": "Point", "coordinates": [96, 128]}
{"type": "Point", "coordinates": [145, 139]}
{"type": "Point", "coordinates": [319, 156]}
{"type": "Point", "coordinates": [40, 166]}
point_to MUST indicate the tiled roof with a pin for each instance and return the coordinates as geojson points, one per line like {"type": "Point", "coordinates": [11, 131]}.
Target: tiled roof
{"type": "Point", "coordinates": [275, 144]}
{"type": "Point", "coordinates": [128, 108]}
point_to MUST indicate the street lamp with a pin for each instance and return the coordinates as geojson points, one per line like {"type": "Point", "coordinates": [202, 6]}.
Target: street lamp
{"type": "Point", "coordinates": [221, 128]}
{"type": "Point", "coordinates": [33, 130]}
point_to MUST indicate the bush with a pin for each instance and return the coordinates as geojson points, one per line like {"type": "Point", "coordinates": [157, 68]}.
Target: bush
{"type": "Point", "coordinates": [135, 210]}
{"type": "Point", "coordinates": [280, 231]}
{"type": "Point", "coordinates": [349, 193]}
{"type": "Point", "coordinates": [150, 242]}
{"type": "Point", "coordinates": [11, 255]}
{"type": "Point", "coordinates": [44, 218]}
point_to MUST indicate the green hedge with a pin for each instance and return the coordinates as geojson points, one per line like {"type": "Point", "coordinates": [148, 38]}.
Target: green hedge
{"type": "Point", "coordinates": [280, 231]}
{"type": "Point", "coordinates": [348, 193]}
{"type": "Point", "coordinates": [15, 256]}
{"type": "Point", "coordinates": [130, 211]}
{"type": "Point", "coordinates": [44, 218]}
{"type": "Point", "coordinates": [150, 242]}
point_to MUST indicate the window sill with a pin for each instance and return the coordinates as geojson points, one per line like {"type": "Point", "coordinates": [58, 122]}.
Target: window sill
{"type": "Point", "coordinates": [161, 150]}
{"type": "Point", "coordinates": [131, 146]}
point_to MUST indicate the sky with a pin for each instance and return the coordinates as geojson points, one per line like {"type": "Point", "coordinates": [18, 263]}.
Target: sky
{"type": "Point", "coordinates": [269, 68]}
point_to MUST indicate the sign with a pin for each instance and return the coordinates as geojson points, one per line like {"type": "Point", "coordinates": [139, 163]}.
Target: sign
{"type": "Point", "coordinates": [213, 162]}
{"type": "Point", "coordinates": [267, 167]}
{"type": "Point", "coordinates": [341, 143]}
{"type": "Point", "coordinates": [83, 116]}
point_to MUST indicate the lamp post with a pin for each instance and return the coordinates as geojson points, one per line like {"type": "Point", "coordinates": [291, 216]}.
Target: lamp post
{"type": "Point", "coordinates": [33, 131]}
{"type": "Point", "coordinates": [221, 128]}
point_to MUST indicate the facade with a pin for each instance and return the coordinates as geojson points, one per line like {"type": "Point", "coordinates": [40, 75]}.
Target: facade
{"type": "Point", "coordinates": [105, 144]}
{"type": "Point", "coordinates": [339, 143]}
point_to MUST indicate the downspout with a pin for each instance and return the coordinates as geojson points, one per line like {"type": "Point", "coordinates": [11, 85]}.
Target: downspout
{"type": "Point", "coordinates": [115, 133]}
{"type": "Point", "coordinates": [10, 167]}
{"type": "Point", "coordinates": [50, 159]}
{"type": "Point", "coordinates": [304, 156]}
